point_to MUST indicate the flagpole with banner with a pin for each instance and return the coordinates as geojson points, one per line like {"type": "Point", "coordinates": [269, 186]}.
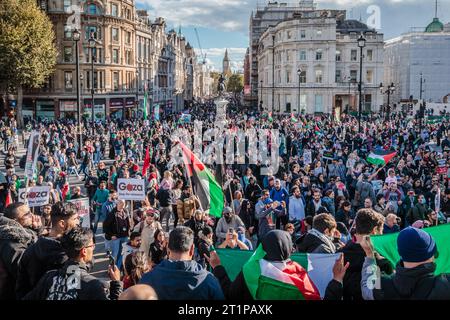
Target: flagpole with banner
{"type": "Point", "coordinates": [207, 188]}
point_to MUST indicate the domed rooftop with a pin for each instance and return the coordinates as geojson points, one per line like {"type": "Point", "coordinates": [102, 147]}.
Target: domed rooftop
{"type": "Point", "coordinates": [347, 26]}
{"type": "Point", "coordinates": [435, 26]}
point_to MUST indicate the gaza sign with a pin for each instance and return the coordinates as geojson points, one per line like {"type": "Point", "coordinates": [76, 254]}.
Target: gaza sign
{"type": "Point", "coordinates": [35, 196]}
{"type": "Point", "coordinates": [131, 189]}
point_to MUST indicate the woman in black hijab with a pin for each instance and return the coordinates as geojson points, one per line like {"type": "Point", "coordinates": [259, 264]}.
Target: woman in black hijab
{"type": "Point", "coordinates": [278, 247]}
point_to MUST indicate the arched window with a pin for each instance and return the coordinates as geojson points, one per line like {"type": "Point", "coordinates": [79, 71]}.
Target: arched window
{"type": "Point", "coordinates": [92, 9]}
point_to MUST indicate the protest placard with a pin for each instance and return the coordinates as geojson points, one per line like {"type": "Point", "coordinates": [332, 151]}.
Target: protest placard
{"type": "Point", "coordinates": [35, 196]}
{"type": "Point", "coordinates": [131, 189]}
{"type": "Point", "coordinates": [83, 211]}
{"type": "Point", "coordinates": [307, 157]}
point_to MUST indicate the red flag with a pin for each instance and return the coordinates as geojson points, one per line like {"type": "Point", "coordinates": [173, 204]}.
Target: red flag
{"type": "Point", "coordinates": [8, 199]}
{"type": "Point", "coordinates": [65, 191]}
{"type": "Point", "coordinates": [146, 162]}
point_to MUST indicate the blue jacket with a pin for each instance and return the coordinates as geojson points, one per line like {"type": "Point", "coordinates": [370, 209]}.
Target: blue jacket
{"type": "Point", "coordinates": [279, 195]}
{"type": "Point", "coordinates": [183, 280]}
{"type": "Point", "coordinates": [329, 203]}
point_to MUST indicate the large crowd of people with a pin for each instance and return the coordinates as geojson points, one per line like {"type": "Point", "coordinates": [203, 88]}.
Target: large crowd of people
{"type": "Point", "coordinates": [324, 198]}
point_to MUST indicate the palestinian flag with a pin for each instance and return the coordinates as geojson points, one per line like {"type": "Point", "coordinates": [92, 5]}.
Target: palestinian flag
{"type": "Point", "coordinates": [306, 277]}
{"type": "Point", "coordinates": [65, 192]}
{"type": "Point", "coordinates": [386, 245]}
{"type": "Point", "coordinates": [381, 157]}
{"type": "Point", "coordinates": [205, 186]}
{"type": "Point", "coordinates": [317, 130]}
{"type": "Point", "coordinates": [293, 118]}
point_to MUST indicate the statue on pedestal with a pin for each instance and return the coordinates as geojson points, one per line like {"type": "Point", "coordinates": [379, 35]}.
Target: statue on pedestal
{"type": "Point", "coordinates": [221, 86]}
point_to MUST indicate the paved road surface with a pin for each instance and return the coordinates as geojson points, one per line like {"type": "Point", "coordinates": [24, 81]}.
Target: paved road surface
{"type": "Point", "coordinates": [101, 261]}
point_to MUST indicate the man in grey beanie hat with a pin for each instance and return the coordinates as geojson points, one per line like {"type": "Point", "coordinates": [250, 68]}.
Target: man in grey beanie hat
{"type": "Point", "coordinates": [414, 278]}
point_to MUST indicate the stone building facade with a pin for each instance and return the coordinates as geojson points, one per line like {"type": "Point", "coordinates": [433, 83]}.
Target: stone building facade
{"type": "Point", "coordinates": [310, 63]}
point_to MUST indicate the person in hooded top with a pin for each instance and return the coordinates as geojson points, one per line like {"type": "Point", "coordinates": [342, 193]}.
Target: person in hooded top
{"type": "Point", "coordinates": [46, 253]}
{"type": "Point", "coordinates": [277, 245]}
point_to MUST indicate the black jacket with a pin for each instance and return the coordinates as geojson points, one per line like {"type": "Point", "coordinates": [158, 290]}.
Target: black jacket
{"type": "Point", "coordinates": [116, 226]}
{"type": "Point", "coordinates": [253, 192]}
{"type": "Point", "coordinates": [311, 209]}
{"type": "Point", "coordinates": [44, 255]}
{"type": "Point", "coordinates": [164, 197]}
{"type": "Point", "coordinates": [233, 290]}
{"type": "Point", "coordinates": [157, 252]}
{"type": "Point", "coordinates": [203, 248]}
{"type": "Point", "coordinates": [418, 283]}
{"type": "Point", "coordinates": [354, 253]}
{"type": "Point", "coordinates": [57, 285]}
{"type": "Point", "coordinates": [196, 227]}
{"type": "Point", "coordinates": [14, 240]}
{"type": "Point", "coordinates": [312, 244]}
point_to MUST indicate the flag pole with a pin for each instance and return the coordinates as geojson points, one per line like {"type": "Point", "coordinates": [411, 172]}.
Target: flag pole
{"type": "Point", "coordinates": [189, 177]}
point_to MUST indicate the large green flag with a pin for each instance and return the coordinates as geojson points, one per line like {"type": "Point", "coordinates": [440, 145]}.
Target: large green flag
{"type": "Point", "coordinates": [145, 105]}
{"type": "Point", "coordinates": [386, 245]}
{"type": "Point", "coordinates": [266, 281]}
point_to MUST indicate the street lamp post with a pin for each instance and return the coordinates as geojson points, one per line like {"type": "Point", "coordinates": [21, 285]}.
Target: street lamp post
{"type": "Point", "coordinates": [361, 45]}
{"type": "Point", "coordinates": [92, 43]}
{"type": "Point", "coordinates": [299, 73]}
{"type": "Point", "coordinates": [390, 90]}
{"type": "Point", "coordinates": [76, 37]}
{"type": "Point", "coordinates": [422, 81]}
{"type": "Point", "coordinates": [261, 95]}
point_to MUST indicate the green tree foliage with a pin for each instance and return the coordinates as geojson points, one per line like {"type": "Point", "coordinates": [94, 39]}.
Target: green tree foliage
{"type": "Point", "coordinates": [215, 76]}
{"type": "Point", "coordinates": [235, 83]}
{"type": "Point", "coordinates": [27, 50]}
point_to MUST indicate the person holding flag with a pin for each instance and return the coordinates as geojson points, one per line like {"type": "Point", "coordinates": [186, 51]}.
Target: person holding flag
{"type": "Point", "coordinates": [415, 276]}
{"type": "Point", "coordinates": [269, 274]}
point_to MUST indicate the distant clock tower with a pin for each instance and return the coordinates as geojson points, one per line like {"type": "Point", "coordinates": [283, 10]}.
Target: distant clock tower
{"type": "Point", "coordinates": [226, 69]}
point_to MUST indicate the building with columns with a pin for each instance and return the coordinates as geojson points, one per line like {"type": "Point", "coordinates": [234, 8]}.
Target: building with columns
{"type": "Point", "coordinates": [113, 25]}
{"type": "Point", "coordinates": [132, 54]}
{"type": "Point", "coordinates": [310, 63]}
{"type": "Point", "coordinates": [203, 82]}
{"type": "Point", "coordinates": [260, 20]}
{"type": "Point", "coordinates": [419, 60]}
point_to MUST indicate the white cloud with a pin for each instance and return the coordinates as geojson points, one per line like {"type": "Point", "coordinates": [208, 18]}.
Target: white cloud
{"type": "Point", "coordinates": [214, 57]}
{"type": "Point", "coordinates": [229, 15]}
{"type": "Point", "coordinates": [234, 15]}
{"type": "Point", "coordinates": [221, 52]}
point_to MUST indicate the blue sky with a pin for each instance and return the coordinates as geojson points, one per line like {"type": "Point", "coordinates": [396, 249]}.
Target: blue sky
{"type": "Point", "coordinates": [224, 24]}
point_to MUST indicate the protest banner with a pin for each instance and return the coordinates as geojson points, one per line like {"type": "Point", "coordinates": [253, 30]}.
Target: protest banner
{"type": "Point", "coordinates": [131, 189]}
{"type": "Point", "coordinates": [185, 118]}
{"type": "Point", "coordinates": [35, 196]}
{"type": "Point", "coordinates": [307, 157]}
{"type": "Point", "coordinates": [442, 167]}
{"type": "Point", "coordinates": [83, 209]}
{"type": "Point", "coordinates": [156, 112]}
{"type": "Point", "coordinates": [32, 154]}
